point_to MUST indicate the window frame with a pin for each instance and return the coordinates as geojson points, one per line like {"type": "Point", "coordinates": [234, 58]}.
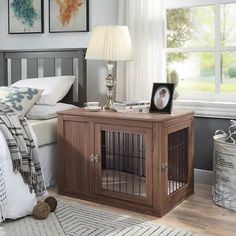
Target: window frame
{"type": "Point", "coordinates": [203, 102]}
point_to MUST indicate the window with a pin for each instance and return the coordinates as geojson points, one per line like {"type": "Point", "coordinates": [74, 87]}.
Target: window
{"type": "Point", "coordinates": [200, 48]}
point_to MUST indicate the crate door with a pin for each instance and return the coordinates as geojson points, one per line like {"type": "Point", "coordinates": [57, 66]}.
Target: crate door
{"type": "Point", "coordinates": [75, 148]}
{"type": "Point", "coordinates": [178, 168]}
{"type": "Point", "coordinates": [124, 169]}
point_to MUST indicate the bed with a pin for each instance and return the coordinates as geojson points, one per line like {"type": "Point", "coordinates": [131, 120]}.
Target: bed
{"type": "Point", "coordinates": [17, 65]}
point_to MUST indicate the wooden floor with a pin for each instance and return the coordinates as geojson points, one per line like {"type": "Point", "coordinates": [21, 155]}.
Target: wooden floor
{"type": "Point", "coordinates": [198, 213]}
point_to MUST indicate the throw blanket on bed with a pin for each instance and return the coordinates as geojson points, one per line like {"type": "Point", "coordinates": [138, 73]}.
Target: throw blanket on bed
{"type": "Point", "coordinates": [22, 148]}
{"type": "Point", "coordinates": [2, 194]}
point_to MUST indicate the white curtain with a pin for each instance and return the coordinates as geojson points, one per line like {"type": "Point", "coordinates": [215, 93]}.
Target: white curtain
{"type": "Point", "coordinates": [145, 21]}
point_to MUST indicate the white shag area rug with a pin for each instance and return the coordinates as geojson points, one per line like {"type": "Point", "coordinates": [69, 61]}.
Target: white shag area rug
{"type": "Point", "coordinates": [75, 219]}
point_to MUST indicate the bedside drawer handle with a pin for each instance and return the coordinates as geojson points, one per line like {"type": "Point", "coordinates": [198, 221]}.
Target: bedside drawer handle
{"type": "Point", "coordinates": [96, 158]}
{"type": "Point", "coordinates": [92, 157]}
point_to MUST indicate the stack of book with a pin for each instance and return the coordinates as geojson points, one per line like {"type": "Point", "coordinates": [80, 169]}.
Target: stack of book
{"type": "Point", "coordinates": [131, 106]}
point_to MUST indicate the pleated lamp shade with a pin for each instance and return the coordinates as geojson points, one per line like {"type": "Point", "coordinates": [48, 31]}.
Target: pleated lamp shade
{"type": "Point", "coordinates": [110, 43]}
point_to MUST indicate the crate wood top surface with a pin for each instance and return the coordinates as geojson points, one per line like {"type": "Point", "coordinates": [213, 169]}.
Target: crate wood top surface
{"type": "Point", "coordinates": [148, 117]}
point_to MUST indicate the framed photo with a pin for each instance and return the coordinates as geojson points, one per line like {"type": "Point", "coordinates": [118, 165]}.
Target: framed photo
{"type": "Point", "coordinates": [25, 17]}
{"type": "Point", "coordinates": [162, 97]}
{"type": "Point", "coordinates": [68, 16]}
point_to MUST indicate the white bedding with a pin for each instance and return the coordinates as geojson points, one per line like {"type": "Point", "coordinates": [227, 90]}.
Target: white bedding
{"type": "Point", "coordinates": [45, 130]}
{"type": "Point", "coordinates": [46, 137]}
{"type": "Point", "coordinates": [48, 157]}
{"type": "Point", "coordinates": [20, 201]}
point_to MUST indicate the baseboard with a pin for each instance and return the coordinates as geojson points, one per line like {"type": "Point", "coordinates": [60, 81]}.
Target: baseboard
{"type": "Point", "coordinates": [203, 176]}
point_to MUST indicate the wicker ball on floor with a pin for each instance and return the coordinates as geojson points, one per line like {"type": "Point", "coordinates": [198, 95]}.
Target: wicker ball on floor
{"type": "Point", "coordinates": [41, 210]}
{"type": "Point", "coordinates": [52, 202]}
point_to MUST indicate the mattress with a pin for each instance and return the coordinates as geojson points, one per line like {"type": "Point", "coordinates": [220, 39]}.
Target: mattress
{"type": "Point", "coordinates": [45, 130]}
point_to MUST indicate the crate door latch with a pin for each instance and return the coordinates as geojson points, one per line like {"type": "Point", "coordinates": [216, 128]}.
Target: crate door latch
{"type": "Point", "coordinates": [164, 167]}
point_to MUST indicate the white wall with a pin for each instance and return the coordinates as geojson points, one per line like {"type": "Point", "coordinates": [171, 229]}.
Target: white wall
{"type": "Point", "coordinates": [101, 12]}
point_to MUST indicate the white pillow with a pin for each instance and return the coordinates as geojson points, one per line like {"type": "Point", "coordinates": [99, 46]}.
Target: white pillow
{"type": "Point", "coordinates": [43, 112]}
{"type": "Point", "coordinates": [20, 99]}
{"type": "Point", "coordinates": [55, 88]}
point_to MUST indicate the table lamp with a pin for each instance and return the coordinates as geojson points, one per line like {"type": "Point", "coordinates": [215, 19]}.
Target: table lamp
{"type": "Point", "coordinates": [111, 44]}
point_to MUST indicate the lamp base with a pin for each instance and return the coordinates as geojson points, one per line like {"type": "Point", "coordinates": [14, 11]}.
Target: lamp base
{"type": "Point", "coordinates": [108, 105]}
{"type": "Point", "coordinates": [110, 83]}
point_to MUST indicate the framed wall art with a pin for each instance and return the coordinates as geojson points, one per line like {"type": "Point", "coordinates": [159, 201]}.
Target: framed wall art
{"type": "Point", "coordinates": [25, 16]}
{"type": "Point", "coordinates": [162, 97]}
{"type": "Point", "coordinates": [68, 16]}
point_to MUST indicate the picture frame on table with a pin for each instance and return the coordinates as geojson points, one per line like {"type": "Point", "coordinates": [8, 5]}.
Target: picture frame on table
{"type": "Point", "coordinates": [162, 98]}
{"type": "Point", "coordinates": [68, 16]}
{"type": "Point", "coordinates": [25, 17]}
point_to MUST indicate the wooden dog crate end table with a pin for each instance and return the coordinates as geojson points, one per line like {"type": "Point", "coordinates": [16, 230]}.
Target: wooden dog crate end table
{"type": "Point", "coordinates": [137, 161]}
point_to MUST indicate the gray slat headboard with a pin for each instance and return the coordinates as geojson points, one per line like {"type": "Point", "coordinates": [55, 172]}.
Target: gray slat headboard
{"type": "Point", "coordinates": [23, 64]}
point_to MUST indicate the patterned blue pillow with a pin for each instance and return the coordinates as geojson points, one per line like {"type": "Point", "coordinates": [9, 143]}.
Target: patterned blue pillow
{"type": "Point", "coordinates": [20, 99]}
